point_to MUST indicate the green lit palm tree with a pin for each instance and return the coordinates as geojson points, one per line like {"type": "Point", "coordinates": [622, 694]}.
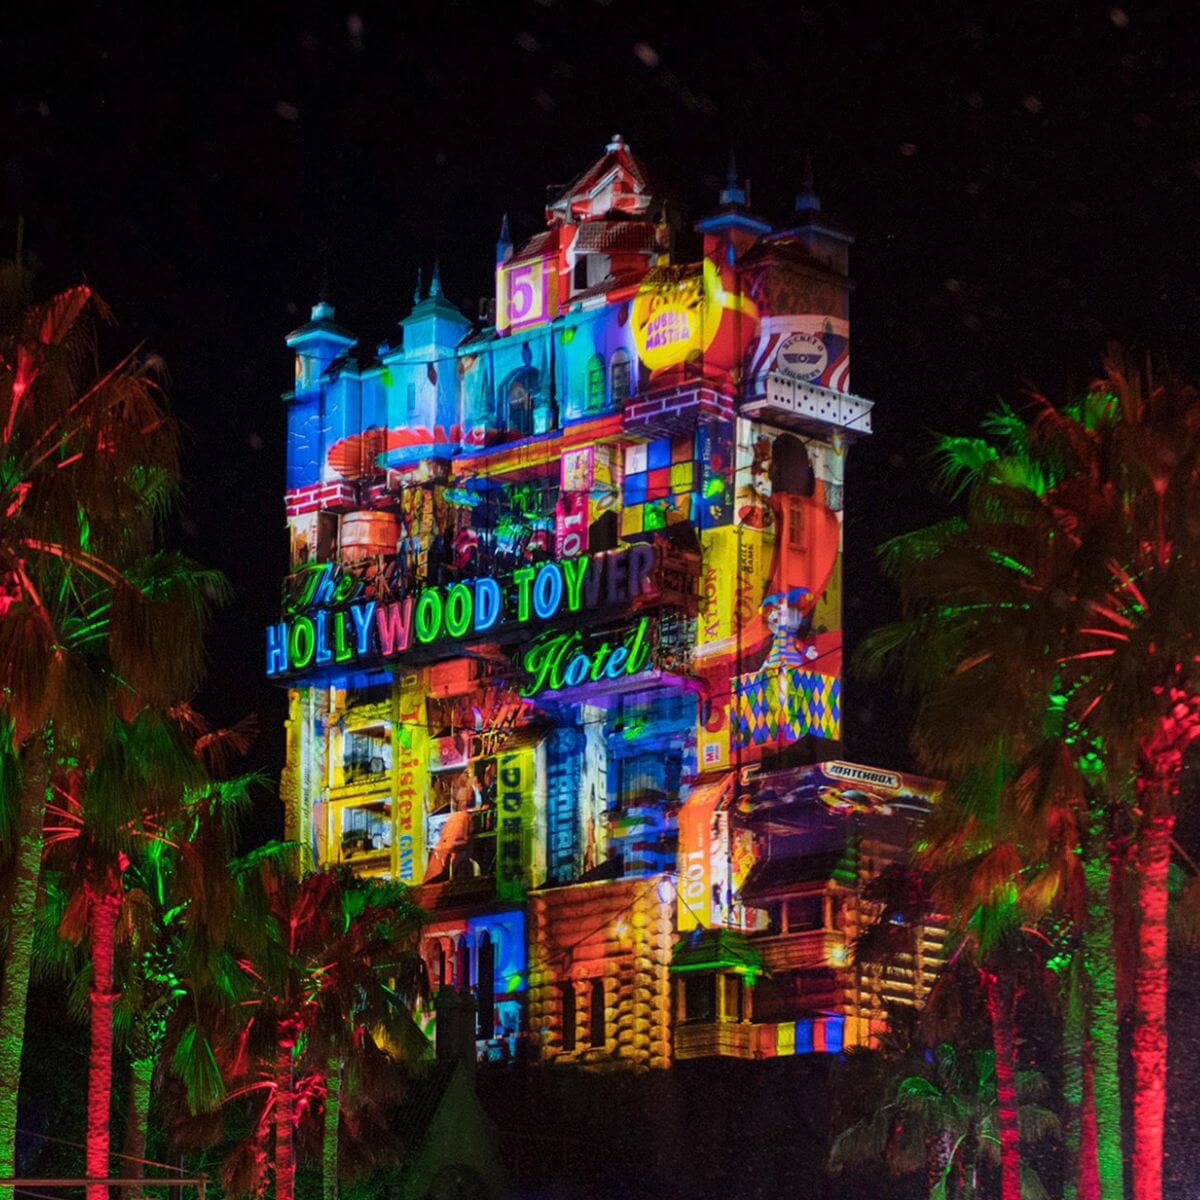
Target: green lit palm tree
{"type": "Point", "coordinates": [1070, 583]}
{"type": "Point", "coordinates": [943, 1119]}
{"type": "Point", "coordinates": [179, 895]}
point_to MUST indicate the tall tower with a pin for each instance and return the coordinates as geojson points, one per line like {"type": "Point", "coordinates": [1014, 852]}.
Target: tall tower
{"type": "Point", "coordinates": [563, 628]}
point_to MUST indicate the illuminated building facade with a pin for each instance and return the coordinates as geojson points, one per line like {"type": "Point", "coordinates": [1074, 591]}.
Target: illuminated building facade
{"type": "Point", "coordinates": [562, 635]}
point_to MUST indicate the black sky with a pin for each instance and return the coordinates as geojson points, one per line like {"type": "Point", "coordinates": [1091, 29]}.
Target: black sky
{"type": "Point", "coordinates": [1022, 180]}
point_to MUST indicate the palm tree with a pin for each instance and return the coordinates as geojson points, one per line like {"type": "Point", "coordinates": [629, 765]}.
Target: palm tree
{"type": "Point", "coordinates": [960, 871]}
{"type": "Point", "coordinates": [1071, 581]}
{"type": "Point", "coordinates": [943, 1118]}
{"type": "Point", "coordinates": [176, 891]}
{"type": "Point", "coordinates": [135, 786]}
{"type": "Point", "coordinates": [316, 960]}
{"type": "Point", "coordinates": [88, 457]}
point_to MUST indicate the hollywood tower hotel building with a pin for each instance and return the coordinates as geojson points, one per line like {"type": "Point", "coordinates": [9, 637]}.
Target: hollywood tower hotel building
{"type": "Point", "coordinates": [562, 637]}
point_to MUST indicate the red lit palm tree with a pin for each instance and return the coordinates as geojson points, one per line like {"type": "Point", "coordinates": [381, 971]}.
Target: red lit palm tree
{"type": "Point", "coordinates": [1072, 581]}
{"type": "Point", "coordinates": [324, 968]}
{"type": "Point", "coordinates": [88, 457]}
{"type": "Point", "coordinates": [135, 787]}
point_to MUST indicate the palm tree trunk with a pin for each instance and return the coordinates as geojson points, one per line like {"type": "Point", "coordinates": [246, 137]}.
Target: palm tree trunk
{"type": "Point", "coordinates": [1004, 1042]}
{"type": "Point", "coordinates": [333, 1115]}
{"type": "Point", "coordinates": [1150, 994]}
{"type": "Point", "coordinates": [1100, 959]}
{"type": "Point", "coordinates": [1073, 1050]}
{"type": "Point", "coordinates": [141, 1076]}
{"type": "Point", "coordinates": [285, 1159]}
{"type": "Point", "coordinates": [14, 988]}
{"type": "Point", "coordinates": [1089, 1172]}
{"type": "Point", "coordinates": [106, 910]}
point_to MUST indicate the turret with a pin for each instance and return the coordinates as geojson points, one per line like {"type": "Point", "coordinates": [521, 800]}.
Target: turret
{"type": "Point", "coordinates": [434, 327]}
{"type": "Point", "coordinates": [317, 343]}
{"type": "Point", "coordinates": [731, 229]}
{"type": "Point", "coordinates": [821, 236]}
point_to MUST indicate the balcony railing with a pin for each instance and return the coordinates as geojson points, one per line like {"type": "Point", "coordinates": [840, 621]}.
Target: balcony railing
{"type": "Point", "coordinates": [798, 951]}
{"type": "Point", "coordinates": [790, 402]}
{"type": "Point", "coordinates": [712, 1039]}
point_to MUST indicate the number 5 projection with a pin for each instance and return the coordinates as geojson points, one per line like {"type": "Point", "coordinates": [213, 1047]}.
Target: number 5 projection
{"type": "Point", "coordinates": [528, 294]}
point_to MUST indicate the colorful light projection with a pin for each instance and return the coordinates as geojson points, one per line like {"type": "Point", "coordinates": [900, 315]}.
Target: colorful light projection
{"type": "Point", "coordinates": [769, 632]}
{"type": "Point", "coordinates": [679, 312]}
{"type": "Point", "coordinates": [365, 629]}
{"type": "Point", "coordinates": [410, 785]}
{"type": "Point", "coordinates": [514, 830]}
{"type": "Point", "coordinates": [527, 293]}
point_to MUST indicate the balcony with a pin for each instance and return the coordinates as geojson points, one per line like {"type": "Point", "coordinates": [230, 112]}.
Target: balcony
{"type": "Point", "coordinates": [715, 1039]}
{"type": "Point", "coordinates": [667, 412]}
{"type": "Point", "coordinates": [801, 951]}
{"type": "Point", "coordinates": [806, 407]}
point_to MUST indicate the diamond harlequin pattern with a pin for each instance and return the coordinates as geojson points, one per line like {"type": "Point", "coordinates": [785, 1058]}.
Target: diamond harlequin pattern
{"type": "Point", "coordinates": [785, 706]}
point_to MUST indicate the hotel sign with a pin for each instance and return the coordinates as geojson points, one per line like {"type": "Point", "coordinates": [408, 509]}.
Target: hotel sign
{"type": "Point", "coordinates": [335, 622]}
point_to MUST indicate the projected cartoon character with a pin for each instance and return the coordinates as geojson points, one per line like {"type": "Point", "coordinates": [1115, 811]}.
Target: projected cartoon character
{"type": "Point", "coordinates": [784, 499]}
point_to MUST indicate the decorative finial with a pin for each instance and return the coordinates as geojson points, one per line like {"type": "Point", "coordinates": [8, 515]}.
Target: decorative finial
{"type": "Point", "coordinates": [417, 297]}
{"type": "Point", "coordinates": [505, 232]}
{"type": "Point", "coordinates": [808, 201]}
{"type": "Point", "coordinates": [435, 284]}
{"type": "Point", "coordinates": [732, 192]}
{"type": "Point", "coordinates": [617, 143]}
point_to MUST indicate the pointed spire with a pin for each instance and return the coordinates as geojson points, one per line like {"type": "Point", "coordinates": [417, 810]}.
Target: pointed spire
{"type": "Point", "coordinates": [417, 297]}
{"type": "Point", "coordinates": [435, 284]}
{"type": "Point", "coordinates": [732, 192]}
{"type": "Point", "coordinates": [808, 201]}
{"type": "Point", "coordinates": [504, 245]}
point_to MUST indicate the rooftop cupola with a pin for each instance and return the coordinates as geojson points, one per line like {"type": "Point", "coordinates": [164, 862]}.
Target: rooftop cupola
{"type": "Point", "coordinates": [434, 327]}
{"type": "Point", "coordinates": [317, 343]}
{"type": "Point", "coordinates": [732, 223]}
{"type": "Point", "coordinates": [615, 184]}
{"type": "Point", "coordinates": [824, 238]}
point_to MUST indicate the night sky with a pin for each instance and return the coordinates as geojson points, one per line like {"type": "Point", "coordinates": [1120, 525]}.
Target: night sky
{"type": "Point", "coordinates": [1022, 181]}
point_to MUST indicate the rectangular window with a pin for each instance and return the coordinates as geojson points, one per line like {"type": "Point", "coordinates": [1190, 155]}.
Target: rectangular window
{"type": "Point", "coordinates": [597, 1020]}
{"type": "Point", "coordinates": [567, 1000]}
{"type": "Point", "coordinates": [795, 523]}
{"type": "Point", "coordinates": [700, 997]}
{"type": "Point", "coordinates": [805, 914]}
{"type": "Point", "coordinates": [327, 536]}
{"type": "Point", "coordinates": [368, 753]}
{"type": "Point", "coordinates": [649, 778]}
{"type": "Point", "coordinates": [366, 830]}
{"type": "Point", "coordinates": [733, 997]}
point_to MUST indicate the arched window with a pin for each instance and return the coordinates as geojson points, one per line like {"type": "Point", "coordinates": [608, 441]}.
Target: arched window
{"type": "Point", "coordinates": [485, 986]}
{"type": "Point", "coordinates": [437, 966]}
{"type": "Point", "coordinates": [517, 400]}
{"type": "Point", "coordinates": [595, 383]}
{"type": "Point", "coordinates": [597, 1026]}
{"type": "Point", "coordinates": [619, 384]}
{"type": "Point", "coordinates": [462, 964]}
{"type": "Point", "coordinates": [567, 999]}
